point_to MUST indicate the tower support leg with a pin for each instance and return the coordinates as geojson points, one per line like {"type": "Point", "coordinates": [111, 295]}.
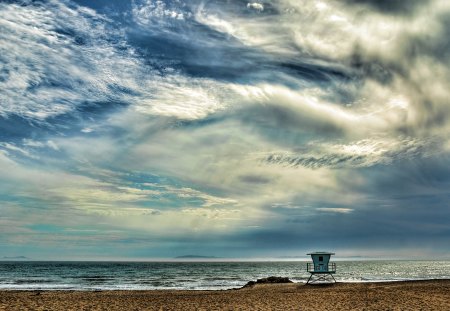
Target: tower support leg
{"type": "Point", "coordinates": [320, 277]}
{"type": "Point", "coordinates": [333, 278]}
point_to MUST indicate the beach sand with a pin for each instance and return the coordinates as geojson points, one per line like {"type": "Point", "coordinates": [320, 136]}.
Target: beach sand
{"type": "Point", "coordinates": [410, 295]}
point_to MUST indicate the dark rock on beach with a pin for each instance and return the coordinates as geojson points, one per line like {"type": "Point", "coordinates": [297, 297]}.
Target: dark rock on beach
{"type": "Point", "coordinates": [269, 280]}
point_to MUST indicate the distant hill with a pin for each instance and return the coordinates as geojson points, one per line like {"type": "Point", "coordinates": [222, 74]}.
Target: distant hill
{"type": "Point", "coordinates": [195, 257]}
{"type": "Point", "coordinates": [15, 258]}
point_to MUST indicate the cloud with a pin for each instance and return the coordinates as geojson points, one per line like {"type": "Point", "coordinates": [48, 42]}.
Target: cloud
{"type": "Point", "coordinates": [363, 153]}
{"type": "Point", "coordinates": [147, 11]}
{"type": "Point", "coordinates": [392, 6]}
{"type": "Point", "coordinates": [255, 179]}
{"type": "Point", "coordinates": [255, 6]}
{"type": "Point", "coordinates": [182, 98]}
{"type": "Point", "coordinates": [55, 68]}
{"type": "Point", "coordinates": [377, 45]}
{"type": "Point", "coordinates": [34, 196]}
{"type": "Point", "coordinates": [200, 122]}
{"type": "Point", "coordinates": [341, 210]}
{"type": "Point", "coordinates": [56, 58]}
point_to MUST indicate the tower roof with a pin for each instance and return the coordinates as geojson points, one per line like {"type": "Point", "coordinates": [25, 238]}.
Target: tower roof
{"type": "Point", "coordinates": [320, 253]}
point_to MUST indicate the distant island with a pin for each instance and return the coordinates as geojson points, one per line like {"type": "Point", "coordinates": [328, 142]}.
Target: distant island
{"type": "Point", "coordinates": [195, 257]}
{"type": "Point", "coordinates": [15, 258]}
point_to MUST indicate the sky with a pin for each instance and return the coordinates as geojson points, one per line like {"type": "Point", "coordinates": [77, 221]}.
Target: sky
{"type": "Point", "coordinates": [138, 129]}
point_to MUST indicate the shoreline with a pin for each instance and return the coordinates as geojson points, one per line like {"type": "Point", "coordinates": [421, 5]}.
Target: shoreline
{"type": "Point", "coordinates": [397, 295]}
{"type": "Point", "coordinates": [211, 289]}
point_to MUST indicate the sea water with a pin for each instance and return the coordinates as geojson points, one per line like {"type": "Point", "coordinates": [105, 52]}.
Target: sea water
{"type": "Point", "coordinates": [31, 275]}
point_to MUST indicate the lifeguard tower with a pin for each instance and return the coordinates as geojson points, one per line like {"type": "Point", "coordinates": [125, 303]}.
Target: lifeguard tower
{"type": "Point", "coordinates": [321, 267]}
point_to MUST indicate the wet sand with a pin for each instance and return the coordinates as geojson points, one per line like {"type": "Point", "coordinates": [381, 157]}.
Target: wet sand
{"type": "Point", "coordinates": [410, 295]}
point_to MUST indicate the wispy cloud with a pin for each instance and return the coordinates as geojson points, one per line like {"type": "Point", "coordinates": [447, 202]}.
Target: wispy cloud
{"type": "Point", "coordinates": [57, 58]}
{"type": "Point", "coordinates": [340, 210]}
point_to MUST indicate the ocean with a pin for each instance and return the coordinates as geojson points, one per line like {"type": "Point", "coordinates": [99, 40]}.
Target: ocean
{"type": "Point", "coordinates": [32, 275]}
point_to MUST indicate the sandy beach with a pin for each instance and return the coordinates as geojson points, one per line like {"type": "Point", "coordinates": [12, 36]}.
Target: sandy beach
{"type": "Point", "coordinates": [410, 295]}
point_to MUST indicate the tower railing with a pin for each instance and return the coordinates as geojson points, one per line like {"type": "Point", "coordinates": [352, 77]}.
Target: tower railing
{"type": "Point", "coordinates": [330, 268]}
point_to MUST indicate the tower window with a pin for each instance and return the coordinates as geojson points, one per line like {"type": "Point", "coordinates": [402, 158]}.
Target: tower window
{"type": "Point", "coordinates": [320, 258]}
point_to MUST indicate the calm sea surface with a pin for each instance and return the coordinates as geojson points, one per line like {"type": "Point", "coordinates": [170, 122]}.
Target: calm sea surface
{"type": "Point", "coordinates": [198, 275]}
